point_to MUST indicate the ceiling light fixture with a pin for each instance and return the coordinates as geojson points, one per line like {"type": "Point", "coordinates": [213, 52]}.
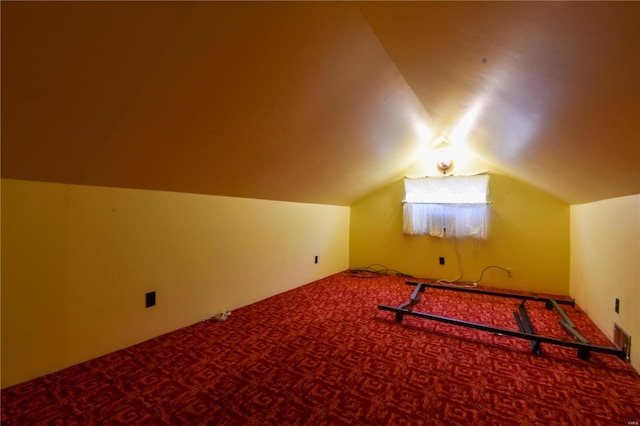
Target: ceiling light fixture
{"type": "Point", "coordinates": [443, 155]}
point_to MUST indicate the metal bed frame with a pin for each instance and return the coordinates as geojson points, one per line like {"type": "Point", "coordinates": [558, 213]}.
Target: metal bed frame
{"type": "Point", "coordinates": [521, 317]}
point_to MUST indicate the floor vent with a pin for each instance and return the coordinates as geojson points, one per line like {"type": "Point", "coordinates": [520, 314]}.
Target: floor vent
{"type": "Point", "coordinates": [621, 339]}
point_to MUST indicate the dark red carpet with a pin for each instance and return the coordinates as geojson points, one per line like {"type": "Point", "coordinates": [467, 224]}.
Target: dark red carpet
{"type": "Point", "coordinates": [323, 354]}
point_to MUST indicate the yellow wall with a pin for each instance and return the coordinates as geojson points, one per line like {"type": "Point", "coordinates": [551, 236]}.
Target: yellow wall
{"type": "Point", "coordinates": [605, 264]}
{"type": "Point", "coordinates": [78, 260]}
{"type": "Point", "coordinates": [528, 232]}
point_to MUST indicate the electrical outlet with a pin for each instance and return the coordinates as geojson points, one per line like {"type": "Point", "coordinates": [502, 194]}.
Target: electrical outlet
{"type": "Point", "coordinates": [150, 299]}
{"type": "Point", "coordinates": [617, 306]}
{"type": "Point", "coordinates": [441, 260]}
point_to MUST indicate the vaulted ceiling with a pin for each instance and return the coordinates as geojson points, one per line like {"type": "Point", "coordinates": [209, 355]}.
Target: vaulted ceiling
{"type": "Point", "coordinates": [319, 102]}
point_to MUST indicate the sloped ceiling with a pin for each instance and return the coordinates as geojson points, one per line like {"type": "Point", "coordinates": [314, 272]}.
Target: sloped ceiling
{"type": "Point", "coordinates": [319, 102]}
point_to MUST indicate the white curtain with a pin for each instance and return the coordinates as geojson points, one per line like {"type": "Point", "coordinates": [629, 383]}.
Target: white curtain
{"type": "Point", "coordinates": [452, 206]}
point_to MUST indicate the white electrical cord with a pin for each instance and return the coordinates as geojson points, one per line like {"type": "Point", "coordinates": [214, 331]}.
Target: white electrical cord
{"type": "Point", "coordinates": [456, 283]}
{"type": "Point", "coordinates": [507, 270]}
{"type": "Point", "coordinates": [455, 280]}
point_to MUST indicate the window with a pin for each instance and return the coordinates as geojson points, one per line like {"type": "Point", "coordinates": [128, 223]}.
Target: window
{"type": "Point", "coordinates": [448, 206]}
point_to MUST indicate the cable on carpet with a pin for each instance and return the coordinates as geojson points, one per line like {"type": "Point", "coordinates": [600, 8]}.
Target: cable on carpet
{"type": "Point", "coordinates": [371, 272]}
{"type": "Point", "coordinates": [457, 283]}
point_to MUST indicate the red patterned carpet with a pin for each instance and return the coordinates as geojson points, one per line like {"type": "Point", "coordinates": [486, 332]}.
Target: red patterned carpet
{"type": "Point", "coordinates": [323, 354]}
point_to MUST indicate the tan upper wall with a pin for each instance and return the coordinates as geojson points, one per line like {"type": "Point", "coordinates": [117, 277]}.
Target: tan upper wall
{"type": "Point", "coordinates": [528, 232]}
{"type": "Point", "coordinates": [319, 102]}
{"type": "Point", "coordinates": [78, 260]}
{"type": "Point", "coordinates": [293, 101]}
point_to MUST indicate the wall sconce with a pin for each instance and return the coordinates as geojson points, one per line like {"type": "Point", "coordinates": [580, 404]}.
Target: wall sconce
{"type": "Point", "coordinates": [443, 155]}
